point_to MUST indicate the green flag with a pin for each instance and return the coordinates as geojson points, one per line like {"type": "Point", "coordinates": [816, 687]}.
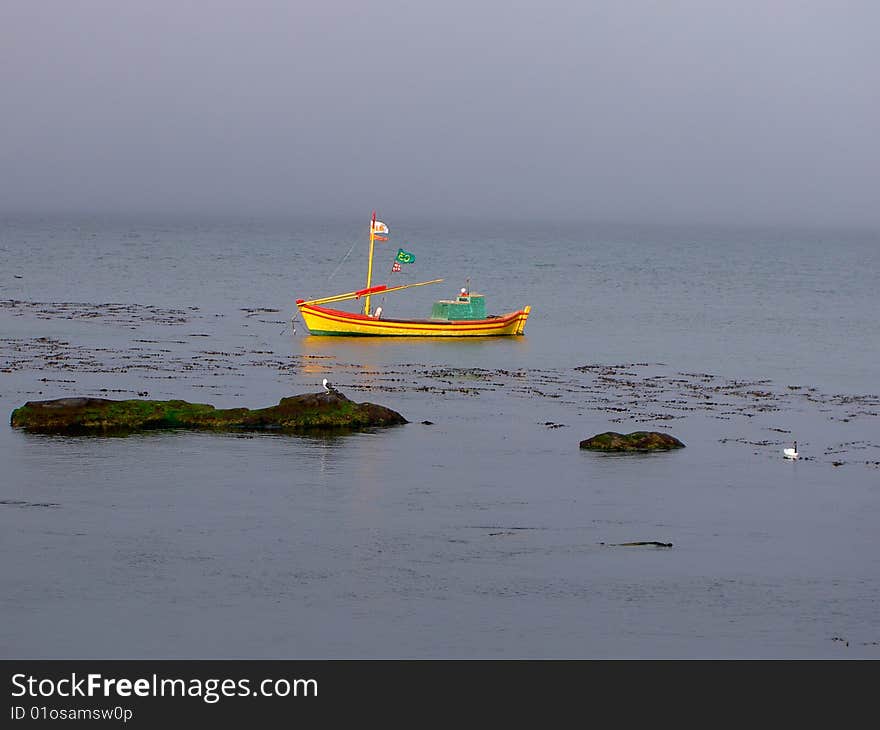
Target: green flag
{"type": "Point", "coordinates": [405, 257]}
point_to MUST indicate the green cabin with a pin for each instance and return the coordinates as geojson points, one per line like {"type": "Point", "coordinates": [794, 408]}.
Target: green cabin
{"type": "Point", "coordinates": [465, 306]}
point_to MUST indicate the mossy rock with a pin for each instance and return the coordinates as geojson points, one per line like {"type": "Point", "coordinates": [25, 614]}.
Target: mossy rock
{"type": "Point", "coordinates": [299, 413]}
{"type": "Point", "coordinates": [636, 441]}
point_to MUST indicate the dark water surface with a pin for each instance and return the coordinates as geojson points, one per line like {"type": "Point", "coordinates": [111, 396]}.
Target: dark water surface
{"type": "Point", "coordinates": [487, 533]}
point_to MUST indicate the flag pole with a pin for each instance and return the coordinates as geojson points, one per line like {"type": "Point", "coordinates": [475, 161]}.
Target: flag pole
{"type": "Point", "coordinates": [370, 264]}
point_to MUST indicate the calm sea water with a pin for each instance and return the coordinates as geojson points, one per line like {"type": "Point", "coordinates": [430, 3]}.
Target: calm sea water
{"type": "Point", "coordinates": [487, 533]}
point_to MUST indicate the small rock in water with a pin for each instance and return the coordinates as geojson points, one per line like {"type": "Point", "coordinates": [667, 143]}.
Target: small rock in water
{"type": "Point", "coordinates": [635, 441]}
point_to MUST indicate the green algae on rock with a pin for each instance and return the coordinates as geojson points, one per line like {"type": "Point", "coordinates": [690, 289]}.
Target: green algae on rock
{"type": "Point", "coordinates": [299, 413]}
{"type": "Point", "coordinates": [635, 441]}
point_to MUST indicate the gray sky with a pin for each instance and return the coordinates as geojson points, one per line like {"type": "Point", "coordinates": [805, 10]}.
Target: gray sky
{"type": "Point", "coordinates": [753, 111]}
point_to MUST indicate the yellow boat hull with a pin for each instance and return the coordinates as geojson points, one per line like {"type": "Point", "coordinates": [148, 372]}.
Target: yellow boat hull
{"type": "Point", "coordinates": [326, 321]}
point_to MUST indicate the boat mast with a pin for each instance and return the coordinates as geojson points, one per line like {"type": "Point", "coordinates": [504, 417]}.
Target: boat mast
{"type": "Point", "coordinates": [370, 264]}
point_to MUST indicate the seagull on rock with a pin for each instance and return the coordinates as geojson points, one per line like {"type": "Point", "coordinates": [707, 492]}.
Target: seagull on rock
{"type": "Point", "coordinates": [790, 453]}
{"type": "Point", "coordinates": [328, 387]}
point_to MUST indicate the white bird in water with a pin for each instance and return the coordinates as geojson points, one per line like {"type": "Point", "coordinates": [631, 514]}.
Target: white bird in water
{"type": "Point", "coordinates": [790, 453]}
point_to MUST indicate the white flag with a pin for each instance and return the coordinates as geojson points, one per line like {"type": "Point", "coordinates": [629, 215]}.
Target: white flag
{"type": "Point", "coordinates": [380, 227]}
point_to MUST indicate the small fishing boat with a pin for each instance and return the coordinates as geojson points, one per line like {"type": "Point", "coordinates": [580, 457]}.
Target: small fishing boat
{"type": "Point", "coordinates": [463, 316]}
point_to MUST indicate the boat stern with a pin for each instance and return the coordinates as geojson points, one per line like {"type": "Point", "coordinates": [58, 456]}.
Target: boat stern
{"type": "Point", "coordinates": [521, 322]}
